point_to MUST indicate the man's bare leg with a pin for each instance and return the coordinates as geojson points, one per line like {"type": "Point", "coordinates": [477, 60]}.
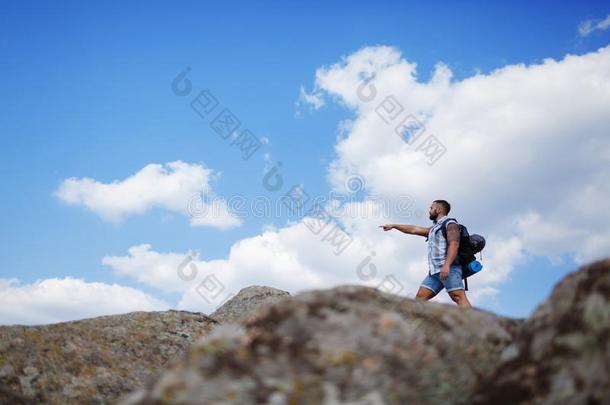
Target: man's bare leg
{"type": "Point", "coordinates": [459, 296]}
{"type": "Point", "coordinates": [424, 294]}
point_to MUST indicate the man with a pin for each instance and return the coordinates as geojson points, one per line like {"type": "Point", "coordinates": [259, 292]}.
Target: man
{"type": "Point", "coordinates": [441, 254]}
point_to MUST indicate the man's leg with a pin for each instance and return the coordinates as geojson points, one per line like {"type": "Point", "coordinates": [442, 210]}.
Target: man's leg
{"type": "Point", "coordinates": [429, 287]}
{"type": "Point", "coordinates": [424, 294]}
{"type": "Point", "coordinates": [459, 297]}
{"type": "Point", "coordinates": [455, 286]}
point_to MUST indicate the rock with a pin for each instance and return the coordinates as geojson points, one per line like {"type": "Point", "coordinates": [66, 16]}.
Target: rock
{"type": "Point", "coordinates": [349, 343]}
{"type": "Point", "coordinates": [345, 345]}
{"type": "Point", "coordinates": [247, 301]}
{"type": "Point", "coordinates": [562, 355]}
{"type": "Point", "coordinates": [93, 360]}
{"type": "Point", "coordinates": [9, 397]}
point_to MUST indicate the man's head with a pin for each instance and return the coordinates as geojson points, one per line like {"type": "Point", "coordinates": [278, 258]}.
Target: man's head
{"type": "Point", "coordinates": [439, 208]}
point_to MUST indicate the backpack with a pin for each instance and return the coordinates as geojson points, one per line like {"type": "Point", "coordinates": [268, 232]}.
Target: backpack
{"type": "Point", "coordinates": [469, 246]}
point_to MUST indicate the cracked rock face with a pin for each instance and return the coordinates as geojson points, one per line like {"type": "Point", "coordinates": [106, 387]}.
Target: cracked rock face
{"type": "Point", "coordinates": [563, 354]}
{"type": "Point", "coordinates": [345, 344]}
{"type": "Point", "coordinates": [93, 360]}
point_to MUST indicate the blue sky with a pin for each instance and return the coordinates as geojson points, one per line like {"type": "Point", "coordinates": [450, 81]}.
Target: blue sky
{"type": "Point", "coordinates": [87, 94]}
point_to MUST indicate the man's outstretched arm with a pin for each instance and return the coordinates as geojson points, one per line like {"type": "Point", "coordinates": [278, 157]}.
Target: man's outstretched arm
{"type": "Point", "coordinates": [410, 229]}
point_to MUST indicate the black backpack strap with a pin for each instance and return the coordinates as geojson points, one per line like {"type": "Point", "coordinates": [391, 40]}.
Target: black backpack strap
{"type": "Point", "coordinates": [444, 226]}
{"type": "Point", "coordinates": [466, 284]}
{"type": "Point", "coordinates": [458, 259]}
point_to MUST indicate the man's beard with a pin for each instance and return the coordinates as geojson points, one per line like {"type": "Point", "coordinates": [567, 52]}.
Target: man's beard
{"type": "Point", "coordinates": [433, 215]}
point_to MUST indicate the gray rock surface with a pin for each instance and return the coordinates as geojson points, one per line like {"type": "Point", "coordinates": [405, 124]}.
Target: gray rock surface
{"type": "Point", "coordinates": [248, 300]}
{"type": "Point", "coordinates": [342, 345]}
{"type": "Point", "coordinates": [92, 360]}
{"type": "Point", "coordinates": [10, 397]}
{"type": "Point", "coordinates": [563, 354]}
{"type": "Point", "coordinates": [346, 345]}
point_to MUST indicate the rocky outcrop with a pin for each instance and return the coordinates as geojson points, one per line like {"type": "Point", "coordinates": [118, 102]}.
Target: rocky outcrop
{"type": "Point", "coordinates": [563, 354]}
{"type": "Point", "coordinates": [92, 360]}
{"type": "Point", "coordinates": [346, 345]}
{"type": "Point", "coordinates": [248, 300]}
{"type": "Point", "coordinates": [99, 359]}
{"type": "Point", "coordinates": [341, 345]}
{"type": "Point", "coordinates": [356, 345]}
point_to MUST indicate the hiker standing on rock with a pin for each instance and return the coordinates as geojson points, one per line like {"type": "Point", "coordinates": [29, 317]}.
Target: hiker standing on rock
{"type": "Point", "coordinates": [441, 254]}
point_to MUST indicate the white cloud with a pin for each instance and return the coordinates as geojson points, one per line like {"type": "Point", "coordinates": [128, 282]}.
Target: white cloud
{"type": "Point", "coordinates": [313, 100]}
{"type": "Point", "coordinates": [176, 187]}
{"type": "Point", "coordinates": [526, 166]}
{"type": "Point", "coordinates": [150, 268]}
{"type": "Point", "coordinates": [527, 147]}
{"type": "Point", "coordinates": [587, 27]}
{"type": "Point", "coordinates": [55, 300]}
{"type": "Point", "coordinates": [295, 259]}
{"type": "Point", "coordinates": [274, 258]}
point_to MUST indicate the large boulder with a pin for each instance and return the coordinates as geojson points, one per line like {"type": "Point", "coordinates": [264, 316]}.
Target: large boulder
{"type": "Point", "coordinates": [93, 360]}
{"type": "Point", "coordinates": [247, 301]}
{"type": "Point", "coordinates": [563, 354]}
{"type": "Point", "coordinates": [350, 343]}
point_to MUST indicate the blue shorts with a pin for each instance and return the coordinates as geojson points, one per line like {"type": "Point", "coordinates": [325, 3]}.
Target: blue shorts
{"type": "Point", "coordinates": [452, 282]}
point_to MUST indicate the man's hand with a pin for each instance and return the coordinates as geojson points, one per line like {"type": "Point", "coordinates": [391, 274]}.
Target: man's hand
{"type": "Point", "coordinates": [387, 227]}
{"type": "Point", "coordinates": [444, 271]}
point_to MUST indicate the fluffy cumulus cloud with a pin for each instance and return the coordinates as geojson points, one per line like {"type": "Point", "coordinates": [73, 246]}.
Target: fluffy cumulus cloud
{"type": "Point", "coordinates": [276, 258]}
{"type": "Point", "coordinates": [525, 163]}
{"type": "Point", "coordinates": [309, 254]}
{"type": "Point", "coordinates": [56, 300]}
{"type": "Point", "coordinates": [176, 186]}
{"type": "Point", "coordinates": [149, 267]}
{"type": "Point", "coordinates": [522, 152]}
